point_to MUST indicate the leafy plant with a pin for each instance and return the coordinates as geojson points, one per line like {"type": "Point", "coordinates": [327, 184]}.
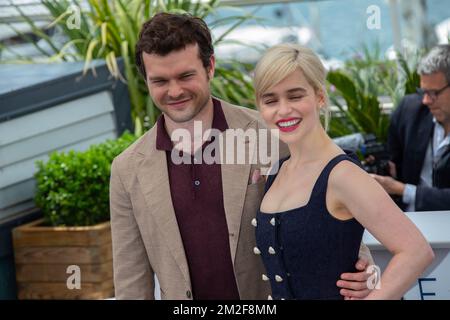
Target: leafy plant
{"type": "Point", "coordinates": [362, 111]}
{"type": "Point", "coordinates": [73, 187]}
{"type": "Point", "coordinates": [357, 87]}
{"type": "Point", "coordinates": [410, 78]}
{"type": "Point", "coordinates": [109, 29]}
{"type": "Point", "coordinates": [372, 73]}
{"type": "Point", "coordinates": [234, 84]}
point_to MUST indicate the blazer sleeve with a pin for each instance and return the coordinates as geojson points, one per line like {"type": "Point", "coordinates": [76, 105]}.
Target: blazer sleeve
{"type": "Point", "coordinates": [133, 274]}
{"type": "Point", "coordinates": [432, 199]}
{"type": "Point", "coordinates": [395, 139]}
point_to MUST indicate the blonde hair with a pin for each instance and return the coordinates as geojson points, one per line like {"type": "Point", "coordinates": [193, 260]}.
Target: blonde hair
{"type": "Point", "coordinates": [280, 61]}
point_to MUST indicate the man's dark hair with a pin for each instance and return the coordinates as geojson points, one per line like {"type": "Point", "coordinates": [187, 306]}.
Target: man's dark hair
{"type": "Point", "coordinates": [167, 32]}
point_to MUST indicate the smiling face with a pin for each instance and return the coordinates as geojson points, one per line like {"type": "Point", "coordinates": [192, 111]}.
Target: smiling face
{"type": "Point", "coordinates": [292, 106]}
{"type": "Point", "coordinates": [179, 83]}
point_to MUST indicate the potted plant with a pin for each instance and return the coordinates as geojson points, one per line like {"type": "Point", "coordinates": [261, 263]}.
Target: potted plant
{"type": "Point", "coordinates": [67, 254]}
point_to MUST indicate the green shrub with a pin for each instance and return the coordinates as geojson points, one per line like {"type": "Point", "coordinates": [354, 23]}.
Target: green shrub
{"type": "Point", "coordinates": [73, 187]}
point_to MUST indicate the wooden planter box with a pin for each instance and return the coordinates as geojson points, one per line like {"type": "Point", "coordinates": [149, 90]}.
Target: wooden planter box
{"type": "Point", "coordinates": [43, 254]}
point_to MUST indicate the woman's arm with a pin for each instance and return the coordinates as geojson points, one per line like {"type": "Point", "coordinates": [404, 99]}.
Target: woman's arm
{"type": "Point", "coordinates": [367, 201]}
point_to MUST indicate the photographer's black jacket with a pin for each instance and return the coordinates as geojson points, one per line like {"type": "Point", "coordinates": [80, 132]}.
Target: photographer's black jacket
{"type": "Point", "coordinates": [410, 131]}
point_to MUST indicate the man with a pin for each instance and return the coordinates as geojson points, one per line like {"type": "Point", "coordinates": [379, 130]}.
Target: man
{"type": "Point", "coordinates": [189, 223]}
{"type": "Point", "coordinates": [419, 139]}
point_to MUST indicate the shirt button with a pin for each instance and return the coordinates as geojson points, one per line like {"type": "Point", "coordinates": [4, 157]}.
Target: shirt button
{"type": "Point", "coordinates": [197, 183]}
{"type": "Point", "coordinates": [188, 294]}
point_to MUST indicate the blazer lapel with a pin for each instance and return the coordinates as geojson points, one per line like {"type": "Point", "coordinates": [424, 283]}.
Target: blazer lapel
{"type": "Point", "coordinates": [234, 177]}
{"type": "Point", "coordinates": [153, 178]}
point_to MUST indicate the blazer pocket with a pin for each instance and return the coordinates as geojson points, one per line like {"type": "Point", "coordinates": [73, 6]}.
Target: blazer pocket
{"type": "Point", "coordinates": [255, 187]}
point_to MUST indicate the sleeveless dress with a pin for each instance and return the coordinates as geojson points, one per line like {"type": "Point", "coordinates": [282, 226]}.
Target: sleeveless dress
{"type": "Point", "coordinates": [306, 249]}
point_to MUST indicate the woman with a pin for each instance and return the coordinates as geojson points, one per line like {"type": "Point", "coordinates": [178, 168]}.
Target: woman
{"type": "Point", "coordinates": [317, 205]}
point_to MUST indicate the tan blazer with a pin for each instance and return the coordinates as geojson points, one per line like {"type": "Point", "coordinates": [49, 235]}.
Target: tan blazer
{"type": "Point", "coordinates": [146, 238]}
{"type": "Point", "coordinates": [145, 234]}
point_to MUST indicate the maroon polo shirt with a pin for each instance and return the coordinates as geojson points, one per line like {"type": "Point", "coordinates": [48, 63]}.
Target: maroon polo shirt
{"type": "Point", "coordinates": [197, 198]}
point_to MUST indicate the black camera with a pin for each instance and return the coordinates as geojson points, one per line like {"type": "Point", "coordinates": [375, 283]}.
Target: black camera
{"type": "Point", "coordinates": [376, 156]}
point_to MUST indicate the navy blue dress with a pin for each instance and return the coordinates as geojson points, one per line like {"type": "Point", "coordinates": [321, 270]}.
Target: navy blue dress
{"type": "Point", "coordinates": [306, 249]}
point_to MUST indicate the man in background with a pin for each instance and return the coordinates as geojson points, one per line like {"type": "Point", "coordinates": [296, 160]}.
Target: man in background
{"type": "Point", "coordinates": [419, 139]}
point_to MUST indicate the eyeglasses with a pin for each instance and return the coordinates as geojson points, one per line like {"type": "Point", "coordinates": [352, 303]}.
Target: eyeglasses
{"type": "Point", "coordinates": [433, 94]}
